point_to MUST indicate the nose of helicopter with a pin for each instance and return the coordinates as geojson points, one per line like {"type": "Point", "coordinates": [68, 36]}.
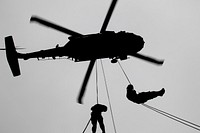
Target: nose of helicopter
{"type": "Point", "coordinates": [140, 43]}
{"type": "Point", "coordinates": [137, 43]}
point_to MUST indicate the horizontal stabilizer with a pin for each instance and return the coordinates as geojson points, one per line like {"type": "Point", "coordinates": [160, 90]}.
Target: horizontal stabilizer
{"type": "Point", "coordinates": [11, 55]}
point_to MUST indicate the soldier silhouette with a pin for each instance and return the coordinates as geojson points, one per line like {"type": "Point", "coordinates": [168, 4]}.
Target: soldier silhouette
{"type": "Point", "coordinates": [97, 109]}
{"type": "Point", "coordinates": [143, 96]}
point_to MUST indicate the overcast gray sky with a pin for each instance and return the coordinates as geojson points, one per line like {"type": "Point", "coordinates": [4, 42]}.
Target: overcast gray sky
{"type": "Point", "coordinates": [43, 98]}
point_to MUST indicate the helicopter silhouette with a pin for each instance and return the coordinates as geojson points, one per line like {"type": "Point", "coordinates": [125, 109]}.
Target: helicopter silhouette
{"type": "Point", "coordinates": [90, 47]}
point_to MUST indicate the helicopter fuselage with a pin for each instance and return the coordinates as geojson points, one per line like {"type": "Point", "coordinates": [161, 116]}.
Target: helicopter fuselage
{"type": "Point", "coordinates": [103, 45]}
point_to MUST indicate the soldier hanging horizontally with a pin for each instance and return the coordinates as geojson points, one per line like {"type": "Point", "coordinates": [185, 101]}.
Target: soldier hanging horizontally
{"type": "Point", "coordinates": [142, 97]}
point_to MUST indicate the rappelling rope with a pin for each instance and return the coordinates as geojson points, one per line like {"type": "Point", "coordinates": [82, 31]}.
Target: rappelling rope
{"type": "Point", "coordinates": [173, 117]}
{"type": "Point", "coordinates": [124, 72]}
{"type": "Point", "coordinates": [112, 116]}
{"type": "Point", "coordinates": [97, 90]}
{"type": "Point", "coordinates": [86, 125]}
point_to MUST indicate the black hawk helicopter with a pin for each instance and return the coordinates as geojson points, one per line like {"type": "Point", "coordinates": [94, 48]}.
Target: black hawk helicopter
{"type": "Point", "coordinates": [90, 47]}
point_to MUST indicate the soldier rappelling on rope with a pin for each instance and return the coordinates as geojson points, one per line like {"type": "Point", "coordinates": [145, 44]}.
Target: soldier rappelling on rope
{"type": "Point", "coordinates": [142, 97]}
{"type": "Point", "coordinates": [97, 109]}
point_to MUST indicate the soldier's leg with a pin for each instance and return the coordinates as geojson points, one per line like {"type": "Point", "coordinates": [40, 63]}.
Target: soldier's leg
{"type": "Point", "coordinates": [158, 93]}
{"type": "Point", "coordinates": [145, 96]}
{"type": "Point", "coordinates": [101, 124]}
{"type": "Point", "coordinates": [94, 125]}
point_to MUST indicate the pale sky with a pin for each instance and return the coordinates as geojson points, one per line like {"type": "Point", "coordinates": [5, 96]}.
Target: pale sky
{"type": "Point", "coordinates": [43, 98]}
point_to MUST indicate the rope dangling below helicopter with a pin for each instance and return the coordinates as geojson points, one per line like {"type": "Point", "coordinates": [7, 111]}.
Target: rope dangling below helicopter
{"type": "Point", "coordinates": [124, 72]}
{"type": "Point", "coordinates": [97, 89]}
{"type": "Point", "coordinates": [173, 117]}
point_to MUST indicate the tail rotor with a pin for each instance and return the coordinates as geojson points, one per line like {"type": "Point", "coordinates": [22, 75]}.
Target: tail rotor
{"type": "Point", "coordinates": [12, 56]}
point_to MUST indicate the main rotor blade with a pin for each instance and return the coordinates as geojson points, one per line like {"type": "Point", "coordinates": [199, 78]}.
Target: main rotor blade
{"type": "Point", "coordinates": [54, 26]}
{"type": "Point", "coordinates": [149, 59]}
{"type": "Point", "coordinates": [108, 16]}
{"type": "Point", "coordinates": [85, 81]}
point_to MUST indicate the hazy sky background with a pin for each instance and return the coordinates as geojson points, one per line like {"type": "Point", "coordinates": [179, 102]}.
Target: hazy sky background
{"type": "Point", "coordinates": [43, 98]}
